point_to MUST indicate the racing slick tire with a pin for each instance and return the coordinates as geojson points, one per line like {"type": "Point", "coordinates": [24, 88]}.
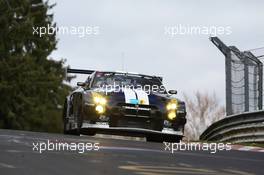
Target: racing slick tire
{"type": "Point", "coordinates": [172, 138]}
{"type": "Point", "coordinates": [154, 138]}
{"type": "Point", "coordinates": [163, 138]}
{"type": "Point", "coordinates": [89, 132]}
{"type": "Point", "coordinates": [78, 119]}
{"type": "Point", "coordinates": [64, 118]}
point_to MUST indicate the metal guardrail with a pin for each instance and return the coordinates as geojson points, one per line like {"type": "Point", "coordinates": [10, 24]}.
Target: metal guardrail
{"type": "Point", "coordinates": [247, 127]}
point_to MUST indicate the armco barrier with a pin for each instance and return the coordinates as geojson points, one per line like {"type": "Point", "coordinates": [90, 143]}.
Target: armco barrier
{"type": "Point", "coordinates": [247, 127]}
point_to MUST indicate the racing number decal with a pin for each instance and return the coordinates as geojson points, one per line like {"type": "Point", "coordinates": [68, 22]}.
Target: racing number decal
{"type": "Point", "coordinates": [136, 96]}
{"type": "Point", "coordinates": [142, 97]}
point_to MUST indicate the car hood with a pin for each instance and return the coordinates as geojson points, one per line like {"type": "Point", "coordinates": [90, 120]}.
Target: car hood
{"type": "Point", "coordinates": [135, 96]}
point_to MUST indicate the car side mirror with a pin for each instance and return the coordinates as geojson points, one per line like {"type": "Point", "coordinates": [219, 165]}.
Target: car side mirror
{"type": "Point", "coordinates": [81, 84]}
{"type": "Point", "coordinates": [172, 92]}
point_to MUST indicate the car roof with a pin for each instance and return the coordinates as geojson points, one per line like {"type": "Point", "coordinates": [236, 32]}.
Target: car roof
{"type": "Point", "coordinates": [131, 73]}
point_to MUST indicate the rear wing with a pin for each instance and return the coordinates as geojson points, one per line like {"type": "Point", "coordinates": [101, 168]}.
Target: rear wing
{"type": "Point", "coordinates": [79, 71]}
{"type": "Point", "coordinates": [82, 71]}
{"type": "Point", "coordinates": [160, 78]}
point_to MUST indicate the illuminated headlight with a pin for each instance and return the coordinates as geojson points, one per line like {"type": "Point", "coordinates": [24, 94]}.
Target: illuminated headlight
{"type": "Point", "coordinates": [100, 100]}
{"type": "Point", "coordinates": [100, 103]}
{"type": "Point", "coordinates": [172, 107]}
{"type": "Point", "coordinates": [100, 109]}
{"type": "Point", "coordinates": [172, 115]}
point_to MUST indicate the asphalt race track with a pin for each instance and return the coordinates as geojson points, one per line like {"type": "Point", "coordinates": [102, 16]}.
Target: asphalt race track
{"type": "Point", "coordinates": [115, 156]}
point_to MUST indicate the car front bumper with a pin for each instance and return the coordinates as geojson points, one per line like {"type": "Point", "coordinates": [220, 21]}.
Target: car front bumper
{"type": "Point", "coordinates": [103, 127]}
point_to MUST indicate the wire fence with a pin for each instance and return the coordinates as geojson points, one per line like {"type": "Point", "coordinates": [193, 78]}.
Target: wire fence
{"type": "Point", "coordinates": [244, 77]}
{"type": "Point", "coordinates": [245, 81]}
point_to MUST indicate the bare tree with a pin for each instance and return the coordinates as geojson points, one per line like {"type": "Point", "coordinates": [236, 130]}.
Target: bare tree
{"type": "Point", "coordinates": [202, 110]}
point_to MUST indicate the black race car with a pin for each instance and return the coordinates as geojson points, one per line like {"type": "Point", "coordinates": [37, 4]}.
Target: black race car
{"type": "Point", "coordinates": [124, 103]}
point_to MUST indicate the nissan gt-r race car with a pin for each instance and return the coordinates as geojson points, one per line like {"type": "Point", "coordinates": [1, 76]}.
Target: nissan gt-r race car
{"type": "Point", "coordinates": [123, 103]}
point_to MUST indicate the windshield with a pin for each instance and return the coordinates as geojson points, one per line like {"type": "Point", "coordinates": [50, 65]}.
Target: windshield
{"type": "Point", "coordinates": [118, 80]}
